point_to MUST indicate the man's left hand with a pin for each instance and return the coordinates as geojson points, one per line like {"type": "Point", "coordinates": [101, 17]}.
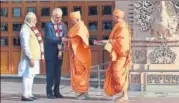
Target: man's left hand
{"type": "Point", "coordinates": [101, 42]}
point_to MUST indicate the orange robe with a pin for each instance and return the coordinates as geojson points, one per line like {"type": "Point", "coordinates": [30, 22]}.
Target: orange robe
{"type": "Point", "coordinates": [80, 57]}
{"type": "Point", "coordinates": [116, 79]}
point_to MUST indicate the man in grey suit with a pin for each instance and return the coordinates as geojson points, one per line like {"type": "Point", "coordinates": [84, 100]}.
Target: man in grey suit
{"type": "Point", "coordinates": [55, 32]}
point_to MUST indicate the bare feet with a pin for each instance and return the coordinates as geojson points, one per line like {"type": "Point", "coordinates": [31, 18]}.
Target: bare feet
{"type": "Point", "coordinates": [121, 99]}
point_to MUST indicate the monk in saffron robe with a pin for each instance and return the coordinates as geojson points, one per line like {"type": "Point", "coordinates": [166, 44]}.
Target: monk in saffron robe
{"type": "Point", "coordinates": [118, 45]}
{"type": "Point", "coordinates": [80, 55]}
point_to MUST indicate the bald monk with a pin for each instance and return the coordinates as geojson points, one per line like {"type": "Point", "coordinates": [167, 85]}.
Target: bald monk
{"type": "Point", "coordinates": [118, 45]}
{"type": "Point", "coordinates": [80, 56]}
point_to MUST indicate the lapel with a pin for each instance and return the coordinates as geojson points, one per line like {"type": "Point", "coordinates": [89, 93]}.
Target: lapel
{"type": "Point", "coordinates": [52, 29]}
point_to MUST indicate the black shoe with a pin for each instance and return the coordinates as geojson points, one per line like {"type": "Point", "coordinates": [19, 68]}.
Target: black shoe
{"type": "Point", "coordinates": [51, 96]}
{"type": "Point", "coordinates": [26, 99]}
{"type": "Point", "coordinates": [59, 96]}
{"type": "Point", "coordinates": [83, 96]}
{"type": "Point", "coordinates": [34, 98]}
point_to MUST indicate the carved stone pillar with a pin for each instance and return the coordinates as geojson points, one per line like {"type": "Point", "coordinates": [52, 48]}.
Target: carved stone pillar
{"type": "Point", "coordinates": [148, 54]}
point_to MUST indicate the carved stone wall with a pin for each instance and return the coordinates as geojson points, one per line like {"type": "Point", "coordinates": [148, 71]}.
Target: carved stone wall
{"type": "Point", "coordinates": [155, 18]}
{"type": "Point", "coordinates": [139, 55]}
{"type": "Point", "coordinates": [138, 15]}
{"type": "Point", "coordinates": [155, 52]}
{"type": "Point", "coordinates": [162, 55]}
{"type": "Point", "coordinates": [150, 54]}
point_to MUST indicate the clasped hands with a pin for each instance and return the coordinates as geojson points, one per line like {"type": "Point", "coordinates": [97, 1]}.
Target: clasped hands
{"type": "Point", "coordinates": [64, 40]}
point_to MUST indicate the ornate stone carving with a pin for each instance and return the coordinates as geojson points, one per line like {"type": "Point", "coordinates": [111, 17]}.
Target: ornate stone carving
{"type": "Point", "coordinates": [139, 56]}
{"type": "Point", "coordinates": [162, 78]}
{"type": "Point", "coordinates": [164, 20]}
{"type": "Point", "coordinates": [176, 4]}
{"type": "Point", "coordinates": [158, 17]}
{"type": "Point", "coordinates": [162, 55]}
{"type": "Point", "coordinates": [143, 11]}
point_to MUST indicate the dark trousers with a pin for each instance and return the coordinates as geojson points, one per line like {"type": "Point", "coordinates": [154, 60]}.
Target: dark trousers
{"type": "Point", "coordinates": [53, 76]}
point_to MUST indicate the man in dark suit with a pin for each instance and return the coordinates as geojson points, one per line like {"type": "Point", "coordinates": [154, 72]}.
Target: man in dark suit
{"type": "Point", "coordinates": [55, 32]}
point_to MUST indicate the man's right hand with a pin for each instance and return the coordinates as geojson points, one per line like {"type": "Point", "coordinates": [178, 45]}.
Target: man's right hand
{"type": "Point", "coordinates": [31, 63]}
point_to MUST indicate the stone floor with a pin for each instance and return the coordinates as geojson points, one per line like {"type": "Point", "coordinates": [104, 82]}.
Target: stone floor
{"type": "Point", "coordinates": [11, 93]}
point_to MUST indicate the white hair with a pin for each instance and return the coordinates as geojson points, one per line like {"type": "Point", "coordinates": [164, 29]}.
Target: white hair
{"type": "Point", "coordinates": [57, 10]}
{"type": "Point", "coordinates": [29, 16]}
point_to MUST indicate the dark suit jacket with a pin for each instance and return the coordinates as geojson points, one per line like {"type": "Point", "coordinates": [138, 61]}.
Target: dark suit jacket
{"type": "Point", "coordinates": [51, 41]}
